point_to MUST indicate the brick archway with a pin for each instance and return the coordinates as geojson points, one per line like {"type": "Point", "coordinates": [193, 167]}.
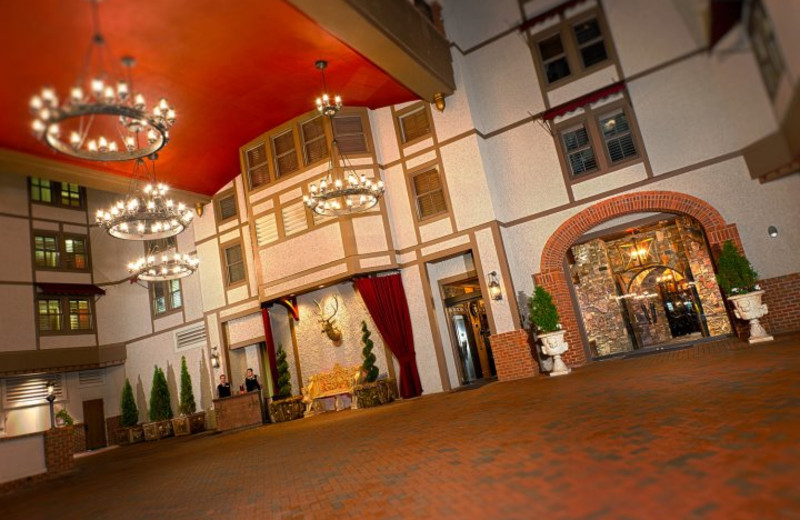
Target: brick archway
{"type": "Point", "coordinates": [553, 278]}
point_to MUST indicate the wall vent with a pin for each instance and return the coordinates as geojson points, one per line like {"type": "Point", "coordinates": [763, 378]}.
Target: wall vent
{"type": "Point", "coordinates": [31, 390]}
{"type": "Point", "coordinates": [191, 337]}
{"type": "Point", "coordinates": [92, 377]}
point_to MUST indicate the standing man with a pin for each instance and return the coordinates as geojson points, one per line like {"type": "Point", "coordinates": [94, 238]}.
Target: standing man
{"type": "Point", "coordinates": [224, 387]}
{"type": "Point", "coordinates": [251, 381]}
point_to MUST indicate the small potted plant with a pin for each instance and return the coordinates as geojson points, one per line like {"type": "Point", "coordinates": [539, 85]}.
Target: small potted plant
{"type": "Point", "coordinates": [181, 425]}
{"type": "Point", "coordinates": [544, 317]}
{"type": "Point", "coordinates": [131, 431]}
{"type": "Point", "coordinates": [737, 279]}
{"type": "Point", "coordinates": [371, 391]}
{"type": "Point", "coordinates": [160, 409]}
{"type": "Point", "coordinates": [63, 418]}
{"type": "Point", "coordinates": [284, 406]}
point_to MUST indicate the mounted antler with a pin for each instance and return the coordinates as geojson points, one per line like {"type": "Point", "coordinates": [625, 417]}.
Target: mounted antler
{"type": "Point", "coordinates": [328, 325]}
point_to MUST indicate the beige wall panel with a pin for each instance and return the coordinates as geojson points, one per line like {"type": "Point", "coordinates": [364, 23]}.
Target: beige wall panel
{"type": "Point", "coordinates": [250, 263]}
{"type": "Point", "coordinates": [238, 294]}
{"type": "Point", "coordinates": [435, 229]}
{"type": "Point", "coordinates": [288, 286]}
{"type": "Point", "coordinates": [309, 250]}
{"type": "Point", "coordinates": [110, 256]}
{"type": "Point", "coordinates": [427, 364]}
{"type": "Point", "coordinates": [67, 341]}
{"type": "Point", "coordinates": [123, 313]}
{"type": "Point", "coordinates": [210, 273]}
{"type": "Point", "coordinates": [370, 234]}
{"type": "Point", "coordinates": [401, 217]}
{"type": "Point", "coordinates": [167, 322]}
{"type": "Point", "coordinates": [501, 310]}
{"type": "Point", "coordinates": [249, 328]}
{"type": "Point", "coordinates": [609, 181]}
{"type": "Point", "coordinates": [22, 457]}
{"type": "Point", "coordinates": [466, 180]}
{"type": "Point", "coordinates": [14, 194]}
{"type": "Point", "coordinates": [15, 261]}
{"type": "Point", "coordinates": [369, 263]}
{"type": "Point", "coordinates": [291, 195]}
{"type": "Point", "coordinates": [384, 135]}
{"type": "Point", "coordinates": [233, 224]}
{"type": "Point", "coordinates": [231, 235]}
{"type": "Point", "coordinates": [470, 22]}
{"type": "Point", "coordinates": [46, 225]}
{"type": "Point", "coordinates": [58, 214]}
{"type": "Point", "coordinates": [418, 147]}
{"type": "Point", "coordinates": [186, 241]}
{"type": "Point", "coordinates": [20, 421]}
{"type": "Point", "coordinates": [420, 159]}
{"type": "Point", "coordinates": [443, 246]}
{"type": "Point", "coordinates": [19, 319]}
{"type": "Point", "coordinates": [62, 277]}
{"type": "Point", "coordinates": [252, 306]}
{"type": "Point", "coordinates": [579, 87]}
{"type": "Point", "coordinates": [404, 258]}
{"type": "Point", "coordinates": [262, 207]}
{"type": "Point", "coordinates": [456, 118]}
{"type": "Point", "coordinates": [78, 230]}
{"type": "Point", "coordinates": [204, 226]}
{"type": "Point", "coordinates": [683, 111]}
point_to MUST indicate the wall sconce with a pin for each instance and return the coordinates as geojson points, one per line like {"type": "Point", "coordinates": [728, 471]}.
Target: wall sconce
{"type": "Point", "coordinates": [214, 357]}
{"type": "Point", "coordinates": [495, 292]}
{"type": "Point", "coordinates": [51, 396]}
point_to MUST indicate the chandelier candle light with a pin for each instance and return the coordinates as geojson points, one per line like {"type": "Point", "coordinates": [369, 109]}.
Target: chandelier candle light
{"type": "Point", "coordinates": [160, 267]}
{"type": "Point", "coordinates": [101, 119]}
{"type": "Point", "coordinates": [342, 190]}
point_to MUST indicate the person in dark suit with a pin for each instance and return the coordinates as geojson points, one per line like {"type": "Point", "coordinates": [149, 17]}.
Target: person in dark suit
{"type": "Point", "coordinates": [224, 387]}
{"type": "Point", "coordinates": [251, 381]}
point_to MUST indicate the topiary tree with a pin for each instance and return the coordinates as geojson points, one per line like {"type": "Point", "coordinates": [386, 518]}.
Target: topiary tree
{"type": "Point", "coordinates": [130, 413]}
{"type": "Point", "coordinates": [160, 409]}
{"type": "Point", "coordinates": [187, 405]}
{"type": "Point", "coordinates": [284, 377]}
{"type": "Point", "coordinates": [369, 369]}
{"type": "Point", "coordinates": [735, 275]}
{"type": "Point", "coordinates": [544, 313]}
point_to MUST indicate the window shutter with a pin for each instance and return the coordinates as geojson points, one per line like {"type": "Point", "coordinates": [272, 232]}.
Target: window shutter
{"type": "Point", "coordinates": [415, 125]}
{"type": "Point", "coordinates": [349, 133]}
{"type": "Point", "coordinates": [257, 168]}
{"type": "Point", "coordinates": [294, 218]}
{"type": "Point", "coordinates": [266, 229]}
{"type": "Point", "coordinates": [21, 391]}
{"type": "Point", "coordinates": [429, 193]}
{"type": "Point", "coordinates": [227, 207]}
{"type": "Point", "coordinates": [314, 144]}
{"type": "Point", "coordinates": [285, 154]}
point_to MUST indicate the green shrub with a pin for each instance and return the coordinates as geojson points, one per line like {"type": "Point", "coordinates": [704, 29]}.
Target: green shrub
{"type": "Point", "coordinates": [160, 409]}
{"type": "Point", "coordinates": [130, 413]}
{"type": "Point", "coordinates": [544, 314]}
{"type": "Point", "coordinates": [369, 369]}
{"type": "Point", "coordinates": [284, 377]}
{"type": "Point", "coordinates": [735, 275]}
{"type": "Point", "coordinates": [65, 417]}
{"type": "Point", "coordinates": [187, 405]}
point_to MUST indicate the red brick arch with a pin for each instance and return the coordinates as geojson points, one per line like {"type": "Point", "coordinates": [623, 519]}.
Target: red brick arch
{"type": "Point", "coordinates": [553, 278]}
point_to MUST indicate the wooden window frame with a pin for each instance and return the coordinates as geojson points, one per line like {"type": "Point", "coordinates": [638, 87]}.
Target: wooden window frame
{"type": "Point", "coordinates": [364, 127]}
{"type": "Point", "coordinates": [65, 314]}
{"type": "Point", "coordinates": [226, 268]}
{"type": "Point", "coordinates": [571, 48]}
{"type": "Point", "coordinates": [281, 130]}
{"type": "Point", "coordinates": [47, 234]}
{"type": "Point", "coordinates": [61, 242]}
{"type": "Point", "coordinates": [56, 188]}
{"type": "Point", "coordinates": [218, 210]}
{"type": "Point", "coordinates": [774, 54]}
{"type": "Point", "coordinates": [169, 308]}
{"type": "Point", "coordinates": [65, 255]}
{"type": "Point", "coordinates": [590, 118]}
{"type": "Point", "coordinates": [326, 138]}
{"type": "Point", "coordinates": [415, 197]}
{"type": "Point", "coordinates": [245, 164]}
{"type": "Point", "coordinates": [404, 112]}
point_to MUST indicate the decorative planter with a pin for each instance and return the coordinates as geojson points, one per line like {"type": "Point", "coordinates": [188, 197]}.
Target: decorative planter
{"type": "Point", "coordinates": [197, 422]}
{"type": "Point", "coordinates": [369, 395]}
{"type": "Point", "coordinates": [289, 409]}
{"type": "Point", "coordinates": [181, 426]}
{"type": "Point", "coordinates": [154, 431]}
{"type": "Point", "coordinates": [553, 344]}
{"type": "Point", "coordinates": [748, 307]}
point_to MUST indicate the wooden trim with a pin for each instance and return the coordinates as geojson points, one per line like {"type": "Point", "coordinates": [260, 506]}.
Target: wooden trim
{"type": "Point", "coordinates": [230, 192]}
{"type": "Point", "coordinates": [223, 247]}
{"type": "Point", "coordinates": [400, 114]}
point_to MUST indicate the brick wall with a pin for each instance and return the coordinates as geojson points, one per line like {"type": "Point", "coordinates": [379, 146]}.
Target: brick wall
{"type": "Point", "coordinates": [58, 445]}
{"type": "Point", "coordinates": [782, 296]}
{"type": "Point", "coordinates": [113, 424]}
{"type": "Point", "coordinates": [513, 357]}
{"type": "Point", "coordinates": [78, 438]}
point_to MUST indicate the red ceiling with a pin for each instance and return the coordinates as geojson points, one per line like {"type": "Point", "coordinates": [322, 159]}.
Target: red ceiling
{"type": "Point", "coordinates": [232, 69]}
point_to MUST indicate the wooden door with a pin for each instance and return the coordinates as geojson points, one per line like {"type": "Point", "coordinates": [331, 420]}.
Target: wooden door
{"type": "Point", "coordinates": [95, 421]}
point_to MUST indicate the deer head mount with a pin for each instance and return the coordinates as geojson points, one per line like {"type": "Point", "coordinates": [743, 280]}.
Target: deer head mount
{"type": "Point", "coordinates": [328, 325]}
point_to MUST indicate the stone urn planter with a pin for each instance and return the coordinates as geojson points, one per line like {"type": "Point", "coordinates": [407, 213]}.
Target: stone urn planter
{"type": "Point", "coordinates": [181, 426]}
{"type": "Point", "coordinates": [748, 307]}
{"type": "Point", "coordinates": [553, 344]}
{"type": "Point", "coordinates": [156, 430]}
{"type": "Point", "coordinates": [380, 392]}
{"type": "Point", "coordinates": [129, 435]}
{"type": "Point", "coordinates": [288, 409]}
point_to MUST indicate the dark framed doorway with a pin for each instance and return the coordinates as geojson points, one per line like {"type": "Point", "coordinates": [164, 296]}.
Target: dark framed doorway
{"type": "Point", "coordinates": [94, 420]}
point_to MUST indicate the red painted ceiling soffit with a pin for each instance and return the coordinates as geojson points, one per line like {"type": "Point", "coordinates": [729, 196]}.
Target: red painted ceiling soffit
{"type": "Point", "coordinates": [231, 69]}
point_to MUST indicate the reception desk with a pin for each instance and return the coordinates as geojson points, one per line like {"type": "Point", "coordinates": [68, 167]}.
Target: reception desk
{"type": "Point", "coordinates": [239, 411]}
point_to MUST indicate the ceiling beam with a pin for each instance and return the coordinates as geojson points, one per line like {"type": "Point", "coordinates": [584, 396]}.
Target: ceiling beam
{"type": "Point", "coordinates": [394, 35]}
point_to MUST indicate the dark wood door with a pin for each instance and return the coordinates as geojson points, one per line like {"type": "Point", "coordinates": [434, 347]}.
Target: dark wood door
{"type": "Point", "coordinates": [95, 422]}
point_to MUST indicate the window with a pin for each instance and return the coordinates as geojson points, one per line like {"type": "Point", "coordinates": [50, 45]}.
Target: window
{"type": "Point", "coordinates": [574, 48]}
{"type": "Point", "coordinates": [166, 296]}
{"type": "Point", "coordinates": [429, 194]}
{"type": "Point", "coordinates": [75, 256]}
{"type": "Point", "coordinates": [414, 125]}
{"type": "Point", "coordinates": [283, 147]}
{"type": "Point", "coordinates": [257, 166]}
{"type": "Point", "coordinates": [349, 132]}
{"type": "Point", "coordinates": [57, 193]}
{"type": "Point", "coordinates": [234, 265]}
{"type": "Point", "coordinates": [226, 208]}
{"type": "Point", "coordinates": [598, 140]}
{"type": "Point", "coordinates": [314, 146]}
{"type": "Point", "coordinates": [765, 47]}
{"type": "Point", "coordinates": [52, 311]}
{"type": "Point", "coordinates": [45, 251]}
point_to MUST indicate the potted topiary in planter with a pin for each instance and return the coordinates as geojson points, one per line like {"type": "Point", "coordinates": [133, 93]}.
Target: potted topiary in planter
{"type": "Point", "coordinates": [160, 409]}
{"type": "Point", "coordinates": [181, 425]}
{"type": "Point", "coordinates": [371, 391]}
{"type": "Point", "coordinates": [131, 432]}
{"type": "Point", "coordinates": [737, 279]}
{"type": "Point", "coordinates": [284, 407]}
{"type": "Point", "coordinates": [544, 316]}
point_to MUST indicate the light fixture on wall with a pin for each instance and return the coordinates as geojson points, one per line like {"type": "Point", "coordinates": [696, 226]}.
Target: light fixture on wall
{"type": "Point", "coordinates": [342, 191]}
{"type": "Point", "coordinates": [51, 396]}
{"type": "Point", "coordinates": [146, 213]}
{"type": "Point", "coordinates": [214, 357]}
{"type": "Point", "coordinates": [773, 231]}
{"type": "Point", "coordinates": [160, 267]}
{"type": "Point", "coordinates": [495, 292]}
{"type": "Point", "coordinates": [100, 108]}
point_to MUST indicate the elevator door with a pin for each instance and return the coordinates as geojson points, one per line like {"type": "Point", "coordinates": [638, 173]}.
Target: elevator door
{"type": "Point", "coordinates": [470, 331]}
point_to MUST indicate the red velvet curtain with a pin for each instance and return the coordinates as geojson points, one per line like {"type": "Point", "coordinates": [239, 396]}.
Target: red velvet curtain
{"type": "Point", "coordinates": [386, 301]}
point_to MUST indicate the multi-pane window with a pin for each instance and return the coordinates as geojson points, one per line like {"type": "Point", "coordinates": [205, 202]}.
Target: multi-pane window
{"type": "Point", "coordinates": [315, 146]}
{"type": "Point", "coordinates": [765, 46]}
{"type": "Point", "coordinates": [57, 193]}
{"type": "Point", "coordinates": [64, 314]}
{"type": "Point", "coordinates": [166, 296]}
{"type": "Point", "coordinates": [349, 133]}
{"type": "Point", "coordinates": [80, 314]}
{"type": "Point", "coordinates": [45, 251]}
{"type": "Point", "coordinates": [70, 195]}
{"type": "Point", "coordinates": [41, 190]}
{"type": "Point", "coordinates": [75, 256]}
{"type": "Point", "coordinates": [554, 59]}
{"type": "Point", "coordinates": [226, 207]}
{"type": "Point", "coordinates": [578, 147]}
{"type": "Point", "coordinates": [429, 194]}
{"type": "Point", "coordinates": [49, 315]}
{"type": "Point", "coordinates": [234, 264]}
{"type": "Point", "coordinates": [589, 38]}
{"type": "Point", "coordinates": [283, 148]}
{"type": "Point", "coordinates": [414, 125]}
{"type": "Point", "coordinates": [617, 136]}
{"type": "Point", "coordinates": [257, 166]}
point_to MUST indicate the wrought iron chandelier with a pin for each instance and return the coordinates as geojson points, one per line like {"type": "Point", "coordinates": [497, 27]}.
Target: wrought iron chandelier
{"type": "Point", "coordinates": [102, 119]}
{"type": "Point", "coordinates": [146, 213]}
{"type": "Point", "coordinates": [342, 191]}
{"type": "Point", "coordinates": [156, 267]}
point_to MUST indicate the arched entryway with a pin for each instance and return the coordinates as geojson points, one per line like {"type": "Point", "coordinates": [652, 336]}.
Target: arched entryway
{"type": "Point", "coordinates": [554, 278]}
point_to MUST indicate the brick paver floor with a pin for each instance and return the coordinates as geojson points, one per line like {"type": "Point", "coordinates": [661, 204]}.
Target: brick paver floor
{"type": "Point", "coordinates": [709, 432]}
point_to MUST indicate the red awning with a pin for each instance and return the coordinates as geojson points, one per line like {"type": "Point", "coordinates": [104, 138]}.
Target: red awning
{"type": "Point", "coordinates": [557, 10]}
{"type": "Point", "coordinates": [575, 104]}
{"type": "Point", "coordinates": [724, 15]}
{"type": "Point", "coordinates": [69, 289]}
